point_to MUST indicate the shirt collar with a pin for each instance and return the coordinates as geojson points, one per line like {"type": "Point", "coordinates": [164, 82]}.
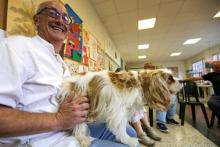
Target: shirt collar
{"type": "Point", "coordinates": [46, 44]}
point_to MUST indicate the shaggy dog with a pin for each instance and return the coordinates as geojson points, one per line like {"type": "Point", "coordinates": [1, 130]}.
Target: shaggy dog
{"type": "Point", "coordinates": [114, 96]}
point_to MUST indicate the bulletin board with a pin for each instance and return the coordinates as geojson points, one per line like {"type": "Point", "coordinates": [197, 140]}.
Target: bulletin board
{"type": "Point", "coordinates": [94, 52]}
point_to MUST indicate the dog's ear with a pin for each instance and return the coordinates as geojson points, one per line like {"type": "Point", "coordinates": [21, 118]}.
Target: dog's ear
{"type": "Point", "coordinates": [155, 89]}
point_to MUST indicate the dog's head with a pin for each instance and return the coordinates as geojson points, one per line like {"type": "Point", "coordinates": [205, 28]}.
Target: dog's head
{"type": "Point", "coordinates": [158, 86]}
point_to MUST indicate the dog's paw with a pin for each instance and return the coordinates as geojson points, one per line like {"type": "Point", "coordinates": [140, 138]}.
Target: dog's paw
{"type": "Point", "coordinates": [84, 142]}
{"type": "Point", "coordinates": [131, 141]}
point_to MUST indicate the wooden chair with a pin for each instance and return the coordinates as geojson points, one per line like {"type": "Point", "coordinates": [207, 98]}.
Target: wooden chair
{"type": "Point", "coordinates": [190, 95]}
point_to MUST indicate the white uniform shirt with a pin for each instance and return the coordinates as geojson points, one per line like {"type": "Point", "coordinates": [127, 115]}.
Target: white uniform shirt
{"type": "Point", "coordinates": [30, 76]}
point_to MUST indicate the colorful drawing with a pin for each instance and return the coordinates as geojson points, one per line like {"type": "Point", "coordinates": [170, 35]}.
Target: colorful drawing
{"type": "Point", "coordinates": [100, 61]}
{"type": "Point", "coordinates": [73, 67]}
{"type": "Point", "coordinates": [85, 47]}
{"type": "Point", "coordinates": [85, 56]}
{"type": "Point", "coordinates": [73, 48]}
{"type": "Point", "coordinates": [85, 37]}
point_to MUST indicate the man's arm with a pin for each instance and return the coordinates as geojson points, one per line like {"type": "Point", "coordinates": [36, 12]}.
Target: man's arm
{"type": "Point", "coordinates": [17, 123]}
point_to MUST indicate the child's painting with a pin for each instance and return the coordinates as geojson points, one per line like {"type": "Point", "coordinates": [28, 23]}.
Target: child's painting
{"type": "Point", "coordinates": [73, 48]}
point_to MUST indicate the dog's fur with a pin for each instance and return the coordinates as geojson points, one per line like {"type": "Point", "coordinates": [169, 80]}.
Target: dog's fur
{"type": "Point", "coordinates": [114, 96]}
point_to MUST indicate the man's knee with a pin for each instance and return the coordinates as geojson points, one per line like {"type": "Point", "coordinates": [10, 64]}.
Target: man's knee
{"type": "Point", "coordinates": [212, 103]}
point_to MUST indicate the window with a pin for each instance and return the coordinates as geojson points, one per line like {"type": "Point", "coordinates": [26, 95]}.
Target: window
{"type": "Point", "coordinates": [216, 57]}
{"type": "Point", "coordinates": [198, 68]}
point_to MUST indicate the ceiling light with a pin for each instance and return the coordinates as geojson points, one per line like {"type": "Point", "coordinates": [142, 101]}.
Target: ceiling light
{"type": "Point", "coordinates": [192, 41]}
{"type": "Point", "coordinates": [146, 23]}
{"type": "Point", "coordinates": [176, 54]}
{"type": "Point", "coordinates": [143, 46]}
{"type": "Point", "coordinates": [217, 15]}
{"type": "Point", "coordinates": [142, 57]}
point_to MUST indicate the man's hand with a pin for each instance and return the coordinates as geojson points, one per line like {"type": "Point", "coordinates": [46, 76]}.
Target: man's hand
{"type": "Point", "coordinates": [72, 112]}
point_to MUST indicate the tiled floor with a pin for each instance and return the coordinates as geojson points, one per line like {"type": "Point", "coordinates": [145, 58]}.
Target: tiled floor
{"type": "Point", "coordinates": [212, 133]}
{"type": "Point", "coordinates": [183, 136]}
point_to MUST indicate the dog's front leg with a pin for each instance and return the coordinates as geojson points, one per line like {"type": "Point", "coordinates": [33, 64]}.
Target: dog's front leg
{"type": "Point", "coordinates": [81, 132]}
{"type": "Point", "coordinates": [118, 127]}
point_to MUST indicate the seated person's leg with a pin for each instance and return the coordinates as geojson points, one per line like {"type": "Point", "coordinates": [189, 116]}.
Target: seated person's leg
{"type": "Point", "coordinates": [161, 121]}
{"type": "Point", "coordinates": [172, 111]}
{"type": "Point", "coordinates": [143, 138]}
{"type": "Point", "coordinates": [148, 129]}
{"type": "Point", "coordinates": [135, 120]}
{"type": "Point", "coordinates": [214, 105]}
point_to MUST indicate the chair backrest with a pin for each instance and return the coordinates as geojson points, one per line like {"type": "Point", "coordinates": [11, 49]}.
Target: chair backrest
{"type": "Point", "coordinates": [190, 91]}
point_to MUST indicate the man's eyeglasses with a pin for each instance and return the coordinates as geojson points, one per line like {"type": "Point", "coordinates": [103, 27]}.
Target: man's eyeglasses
{"type": "Point", "coordinates": [52, 12]}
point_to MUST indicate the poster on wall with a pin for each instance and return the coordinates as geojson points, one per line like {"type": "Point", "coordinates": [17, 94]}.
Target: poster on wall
{"type": "Point", "coordinates": [92, 46]}
{"type": "Point", "coordinates": [75, 67]}
{"type": "Point", "coordinates": [85, 47]}
{"type": "Point", "coordinates": [93, 54]}
{"type": "Point", "coordinates": [91, 65]}
{"type": "Point", "coordinates": [85, 56]}
{"type": "Point", "coordinates": [73, 47]}
{"type": "Point", "coordinates": [100, 60]}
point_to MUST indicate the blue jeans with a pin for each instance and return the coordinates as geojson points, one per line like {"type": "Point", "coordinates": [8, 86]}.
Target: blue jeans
{"type": "Point", "coordinates": [105, 138]}
{"type": "Point", "coordinates": [170, 113]}
{"type": "Point", "coordinates": [214, 105]}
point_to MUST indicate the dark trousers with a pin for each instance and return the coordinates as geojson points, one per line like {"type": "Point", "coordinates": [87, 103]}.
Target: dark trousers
{"type": "Point", "coordinates": [214, 105]}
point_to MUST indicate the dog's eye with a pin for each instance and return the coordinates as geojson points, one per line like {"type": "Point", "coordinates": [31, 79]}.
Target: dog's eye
{"type": "Point", "coordinates": [170, 79]}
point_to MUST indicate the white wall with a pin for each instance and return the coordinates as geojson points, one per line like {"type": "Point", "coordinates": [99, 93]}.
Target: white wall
{"type": "Point", "coordinates": [92, 23]}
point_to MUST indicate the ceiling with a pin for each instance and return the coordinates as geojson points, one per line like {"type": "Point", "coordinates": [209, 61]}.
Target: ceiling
{"type": "Point", "coordinates": [176, 21]}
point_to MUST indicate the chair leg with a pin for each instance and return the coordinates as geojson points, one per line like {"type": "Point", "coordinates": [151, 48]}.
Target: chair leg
{"type": "Point", "coordinates": [193, 112]}
{"type": "Point", "coordinates": [180, 110]}
{"type": "Point", "coordinates": [151, 117]}
{"type": "Point", "coordinates": [212, 119]}
{"type": "Point", "coordinates": [205, 114]}
{"type": "Point", "coordinates": [183, 113]}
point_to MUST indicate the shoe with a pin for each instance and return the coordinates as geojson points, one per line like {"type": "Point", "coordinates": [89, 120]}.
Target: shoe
{"type": "Point", "coordinates": [162, 127]}
{"type": "Point", "coordinates": [172, 121]}
{"type": "Point", "coordinates": [151, 133]}
{"type": "Point", "coordinates": [144, 139]}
